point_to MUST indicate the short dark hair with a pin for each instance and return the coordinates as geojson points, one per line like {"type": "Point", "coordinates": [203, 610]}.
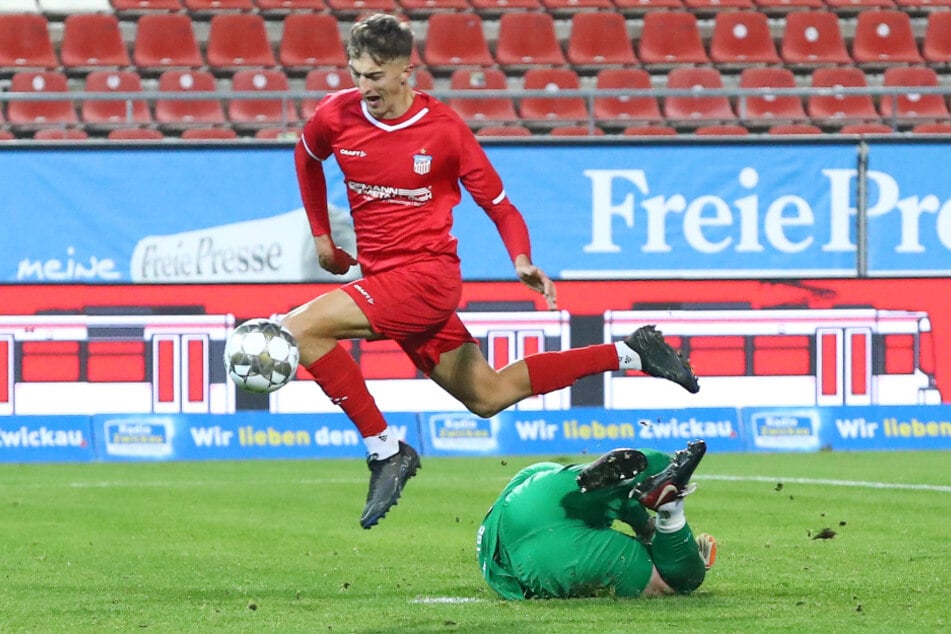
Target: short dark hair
{"type": "Point", "coordinates": [383, 37]}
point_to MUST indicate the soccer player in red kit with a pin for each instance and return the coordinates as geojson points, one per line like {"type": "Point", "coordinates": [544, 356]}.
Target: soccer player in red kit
{"type": "Point", "coordinates": [403, 155]}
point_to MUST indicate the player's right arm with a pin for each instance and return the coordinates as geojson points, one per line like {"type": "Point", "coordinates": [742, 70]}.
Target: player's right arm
{"type": "Point", "coordinates": [312, 148]}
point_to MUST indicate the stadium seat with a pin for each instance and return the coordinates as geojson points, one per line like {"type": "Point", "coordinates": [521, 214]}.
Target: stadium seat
{"type": "Point", "coordinates": [575, 130]}
{"type": "Point", "coordinates": [526, 40]}
{"type": "Point", "coordinates": [598, 39]}
{"type": "Point", "coordinates": [705, 6]}
{"type": "Point", "coordinates": [503, 130]}
{"type": "Point", "coordinates": [138, 7]}
{"type": "Point", "coordinates": [936, 44]}
{"type": "Point", "coordinates": [277, 134]}
{"type": "Point", "coordinates": [552, 110]}
{"type": "Point", "coordinates": [135, 134]}
{"type": "Point", "coordinates": [279, 7]}
{"type": "Point", "coordinates": [260, 112]}
{"type": "Point", "coordinates": [19, 6]}
{"type": "Point", "coordinates": [811, 38]}
{"type": "Point", "coordinates": [208, 134]}
{"type": "Point", "coordinates": [561, 7]}
{"type": "Point", "coordinates": [236, 41]}
{"type": "Point", "coordinates": [827, 109]}
{"type": "Point", "coordinates": [910, 106]}
{"type": "Point", "coordinates": [884, 37]}
{"type": "Point", "coordinates": [179, 113]}
{"type": "Point", "coordinates": [866, 128]}
{"type": "Point", "coordinates": [97, 112]}
{"type": "Point", "coordinates": [922, 5]}
{"type": "Point", "coordinates": [25, 42]}
{"type": "Point", "coordinates": [423, 8]}
{"type": "Point", "coordinates": [352, 8]}
{"type": "Point", "coordinates": [637, 8]}
{"type": "Point", "coordinates": [164, 41]}
{"type": "Point", "coordinates": [454, 40]}
{"type": "Point", "coordinates": [39, 114]}
{"type": "Point", "coordinates": [649, 130]}
{"type": "Point", "coordinates": [850, 7]}
{"type": "Point", "coordinates": [422, 79]}
{"type": "Point", "coordinates": [60, 134]}
{"type": "Point", "coordinates": [493, 110]}
{"type": "Point", "coordinates": [932, 128]}
{"type": "Point", "coordinates": [671, 38]}
{"type": "Point", "coordinates": [769, 109]}
{"type": "Point", "coordinates": [693, 111]}
{"type": "Point", "coordinates": [625, 110]}
{"type": "Point", "coordinates": [794, 129]}
{"type": "Point", "coordinates": [199, 7]}
{"type": "Point", "coordinates": [784, 6]}
{"type": "Point", "coordinates": [67, 7]}
{"type": "Point", "coordinates": [323, 81]}
{"type": "Point", "coordinates": [741, 38]}
{"type": "Point", "coordinates": [6, 135]}
{"type": "Point", "coordinates": [722, 130]}
{"type": "Point", "coordinates": [92, 40]}
{"type": "Point", "coordinates": [309, 40]}
{"type": "Point", "coordinates": [493, 8]}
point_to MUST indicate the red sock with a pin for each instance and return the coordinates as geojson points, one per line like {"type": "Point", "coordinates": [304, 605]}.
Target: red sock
{"type": "Point", "coordinates": [339, 376]}
{"type": "Point", "coordinates": [550, 371]}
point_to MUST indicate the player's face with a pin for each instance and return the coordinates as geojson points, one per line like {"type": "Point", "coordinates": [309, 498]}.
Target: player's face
{"type": "Point", "coordinates": [384, 86]}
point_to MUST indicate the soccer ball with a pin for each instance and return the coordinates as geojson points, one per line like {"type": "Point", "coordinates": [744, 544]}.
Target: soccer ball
{"type": "Point", "coordinates": [261, 356]}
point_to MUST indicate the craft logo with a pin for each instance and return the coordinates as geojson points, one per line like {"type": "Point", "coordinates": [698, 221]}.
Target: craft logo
{"type": "Point", "coordinates": [794, 431]}
{"type": "Point", "coordinates": [139, 437]}
{"type": "Point", "coordinates": [463, 432]}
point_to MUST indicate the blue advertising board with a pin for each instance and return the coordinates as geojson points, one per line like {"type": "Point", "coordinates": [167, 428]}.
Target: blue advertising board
{"type": "Point", "coordinates": [46, 439]}
{"type": "Point", "coordinates": [601, 211]}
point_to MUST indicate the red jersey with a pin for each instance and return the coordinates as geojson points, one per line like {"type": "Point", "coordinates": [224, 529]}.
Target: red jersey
{"type": "Point", "coordinates": [402, 177]}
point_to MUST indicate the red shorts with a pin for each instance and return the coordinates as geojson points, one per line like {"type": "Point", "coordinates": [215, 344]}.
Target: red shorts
{"type": "Point", "coordinates": [415, 306]}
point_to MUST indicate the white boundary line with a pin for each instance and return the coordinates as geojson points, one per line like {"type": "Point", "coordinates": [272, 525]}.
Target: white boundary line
{"type": "Point", "coordinates": [824, 482]}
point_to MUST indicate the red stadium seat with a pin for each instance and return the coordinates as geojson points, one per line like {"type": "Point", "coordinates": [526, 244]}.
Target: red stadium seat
{"type": "Point", "coordinates": [6, 135]}
{"type": "Point", "coordinates": [559, 7]}
{"type": "Point", "coordinates": [741, 38]}
{"type": "Point", "coordinates": [422, 79]}
{"type": "Point", "coordinates": [209, 134]}
{"type": "Point", "coordinates": [503, 130]}
{"type": "Point", "coordinates": [575, 130]}
{"type": "Point", "coordinates": [884, 37]}
{"type": "Point", "coordinates": [238, 40]}
{"type": "Point", "coordinates": [309, 40]}
{"type": "Point", "coordinates": [491, 8]}
{"type": "Point", "coordinates": [215, 6]}
{"type": "Point", "coordinates": [25, 42]}
{"type": "Point", "coordinates": [40, 114]}
{"type": "Point", "coordinates": [599, 39]}
{"type": "Point", "coordinates": [811, 38]}
{"type": "Point", "coordinates": [135, 134]}
{"type": "Point", "coordinates": [909, 105]}
{"type": "Point", "coordinates": [92, 40]}
{"type": "Point", "coordinates": [782, 6]}
{"type": "Point", "coordinates": [922, 5]}
{"type": "Point", "coordinates": [932, 128]}
{"type": "Point", "coordinates": [323, 81]}
{"type": "Point", "coordinates": [722, 130]}
{"type": "Point", "coordinates": [349, 8]}
{"type": "Point", "coordinates": [133, 7]}
{"type": "Point", "coordinates": [625, 110]}
{"type": "Point", "coordinates": [454, 40]}
{"type": "Point", "coordinates": [277, 134]}
{"type": "Point", "coordinates": [552, 110]}
{"type": "Point", "coordinates": [526, 40]}
{"type": "Point", "coordinates": [260, 112]}
{"type": "Point", "coordinates": [271, 7]}
{"type": "Point", "coordinates": [936, 45]}
{"type": "Point", "coordinates": [164, 41]}
{"type": "Point", "coordinates": [640, 7]}
{"type": "Point", "coordinates": [477, 111]}
{"type": "Point", "coordinates": [649, 130]}
{"type": "Point", "coordinates": [794, 129]}
{"type": "Point", "coordinates": [174, 114]}
{"type": "Point", "coordinates": [701, 110]}
{"type": "Point", "coordinates": [422, 8]}
{"type": "Point", "coordinates": [671, 38]}
{"type": "Point", "coordinates": [866, 128]}
{"type": "Point", "coordinates": [837, 109]}
{"type": "Point", "coordinates": [112, 113]}
{"type": "Point", "coordinates": [769, 109]}
{"type": "Point", "coordinates": [857, 6]}
{"type": "Point", "coordinates": [704, 6]}
{"type": "Point", "coordinates": [60, 134]}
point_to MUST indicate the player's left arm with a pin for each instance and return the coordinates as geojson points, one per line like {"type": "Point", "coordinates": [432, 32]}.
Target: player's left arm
{"type": "Point", "coordinates": [484, 184]}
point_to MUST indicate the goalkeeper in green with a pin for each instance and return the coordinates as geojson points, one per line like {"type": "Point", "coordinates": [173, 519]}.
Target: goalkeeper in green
{"type": "Point", "coordinates": [550, 535]}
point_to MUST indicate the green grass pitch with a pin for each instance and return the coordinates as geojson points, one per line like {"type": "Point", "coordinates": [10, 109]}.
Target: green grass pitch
{"type": "Point", "coordinates": [275, 546]}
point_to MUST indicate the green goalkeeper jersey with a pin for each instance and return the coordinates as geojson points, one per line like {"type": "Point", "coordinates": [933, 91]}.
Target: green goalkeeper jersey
{"type": "Point", "coordinates": [544, 538]}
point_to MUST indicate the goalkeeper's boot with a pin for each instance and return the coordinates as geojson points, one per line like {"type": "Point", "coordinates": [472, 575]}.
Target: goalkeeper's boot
{"type": "Point", "coordinates": [611, 469]}
{"type": "Point", "coordinates": [387, 478]}
{"type": "Point", "coordinates": [659, 359]}
{"type": "Point", "coordinates": [707, 546]}
{"type": "Point", "coordinates": [674, 481]}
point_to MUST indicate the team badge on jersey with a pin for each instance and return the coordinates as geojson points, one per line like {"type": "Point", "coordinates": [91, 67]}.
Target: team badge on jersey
{"type": "Point", "coordinates": [422, 163]}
